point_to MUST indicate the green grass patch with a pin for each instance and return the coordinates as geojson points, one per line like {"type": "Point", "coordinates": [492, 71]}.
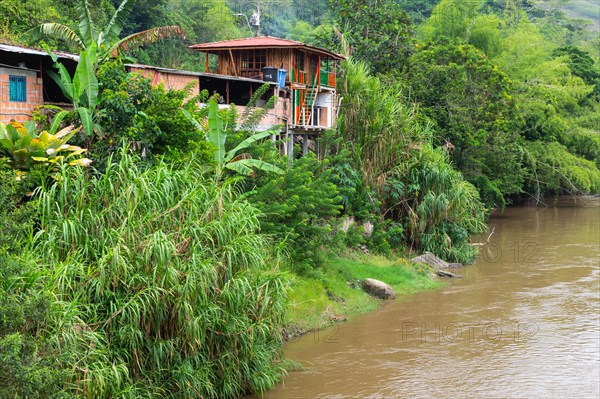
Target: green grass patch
{"type": "Point", "coordinates": [332, 294]}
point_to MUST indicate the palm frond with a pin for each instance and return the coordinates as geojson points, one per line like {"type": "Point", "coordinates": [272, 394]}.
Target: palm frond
{"type": "Point", "coordinates": [87, 29]}
{"type": "Point", "coordinates": [245, 155]}
{"type": "Point", "coordinates": [246, 166]}
{"type": "Point", "coordinates": [57, 31]}
{"type": "Point", "coordinates": [239, 167]}
{"type": "Point", "coordinates": [216, 134]}
{"type": "Point", "coordinates": [247, 143]}
{"type": "Point", "coordinates": [144, 37]}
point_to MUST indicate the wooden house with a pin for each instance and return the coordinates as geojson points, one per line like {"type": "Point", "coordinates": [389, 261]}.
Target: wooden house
{"type": "Point", "coordinates": [306, 78]}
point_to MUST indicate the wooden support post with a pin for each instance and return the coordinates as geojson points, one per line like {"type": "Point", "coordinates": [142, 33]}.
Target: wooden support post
{"type": "Point", "coordinates": [305, 144]}
{"type": "Point", "coordinates": [227, 92]}
{"type": "Point", "coordinates": [290, 145]}
{"type": "Point", "coordinates": [318, 71]}
{"type": "Point", "coordinates": [284, 146]}
{"type": "Point", "coordinates": [233, 63]}
{"type": "Point", "coordinates": [206, 63]}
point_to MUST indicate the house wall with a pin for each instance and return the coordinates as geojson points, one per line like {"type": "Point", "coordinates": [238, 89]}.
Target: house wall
{"type": "Point", "coordinates": [325, 100]}
{"type": "Point", "coordinates": [275, 116]}
{"type": "Point", "coordinates": [279, 58]}
{"type": "Point", "coordinates": [172, 81]}
{"type": "Point", "coordinates": [17, 110]}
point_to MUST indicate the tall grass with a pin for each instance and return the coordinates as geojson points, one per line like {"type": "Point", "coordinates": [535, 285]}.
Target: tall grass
{"type": "Point", "coordinates": [165, 286]}
{"type": "Point", "coordinates": [379, 122]}
{"type": "Point", "coordinates": [441, 208]}
{"type": "Point", "coordinates": [415, 182]}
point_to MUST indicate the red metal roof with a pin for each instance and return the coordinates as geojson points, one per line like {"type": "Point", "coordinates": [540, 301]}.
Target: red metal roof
{"type": "Point", "coordinates": [261, 42]}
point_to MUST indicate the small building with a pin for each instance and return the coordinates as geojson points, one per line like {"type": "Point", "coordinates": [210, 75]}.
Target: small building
{"type": "Point", "coordinates": [301, 77]}
{"type": "Point", "coordinates": [233, 91]}
{"type": "Point", "coordinates": [306, 76]}
{"type": "Point", "coordinates": [25, 83]}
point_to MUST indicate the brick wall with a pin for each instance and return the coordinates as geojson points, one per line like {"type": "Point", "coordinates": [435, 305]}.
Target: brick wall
{"type": "Point", "coordinates": [170, 80]}
{"type": "Point", "coordinates": [20, 111]}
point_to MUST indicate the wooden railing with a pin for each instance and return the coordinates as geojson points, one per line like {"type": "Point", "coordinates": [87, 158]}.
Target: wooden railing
{"type": "Point", "coordinates": [328, 79]}
{"type": "Point", "coordinates": [251, 73]}
{"type": "Point", "coordinates": [298, 77]}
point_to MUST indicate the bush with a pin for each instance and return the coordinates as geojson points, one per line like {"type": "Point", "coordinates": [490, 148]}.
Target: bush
{"type": "Point", "coordinates": [31, 362]}
{"type": "Point", "coordinates": [17, 215]}
{"type": "Point", "coordinates": [150, 117]}
{"type": "Point", "coordinates": [299, 207]}
{"type": "Point", "coordinates": [438, 208]}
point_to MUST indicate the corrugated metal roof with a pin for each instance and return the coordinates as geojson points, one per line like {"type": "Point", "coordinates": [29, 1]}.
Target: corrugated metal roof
{"type": "Point", "coordinates": [261, 42]}
{"type": "Point", "coordinates": [32, 51]}
{"type": "Point", "coordinates": [190, 73]}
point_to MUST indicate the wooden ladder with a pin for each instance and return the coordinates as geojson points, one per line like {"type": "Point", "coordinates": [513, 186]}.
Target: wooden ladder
{"type": "Point", "coordinates": [308, 103]}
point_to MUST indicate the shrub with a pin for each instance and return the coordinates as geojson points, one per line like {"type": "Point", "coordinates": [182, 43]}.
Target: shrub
{"type": "Point", "coordinates": [31, 364]}
{"type": "Point", "coordinates": [439, 209]}
{"type": "Point", "coordinates": [152, 118]}
{"type": "Point", "coordinates": [17, 215]}
{"type": "Point", "coordinates": [299, 206]}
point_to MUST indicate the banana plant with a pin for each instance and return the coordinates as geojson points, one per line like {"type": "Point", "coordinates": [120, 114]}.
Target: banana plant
{"type": "Point", "coordinates": [81, 89]}
{"type": "Point", "coordinates": [107, 40]}
{"type": "Point", "coordinates": [96, 45]}
{"type": "Point", "coordinates": [240, 163]}
{"type": "Point", "coordinates": [27, 147]}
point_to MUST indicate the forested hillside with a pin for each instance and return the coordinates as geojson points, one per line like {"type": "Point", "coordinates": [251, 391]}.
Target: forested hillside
{"type": "Point", "coordinates": [156, 271]}
{"type": "Point", "coordinates": [499, 80]}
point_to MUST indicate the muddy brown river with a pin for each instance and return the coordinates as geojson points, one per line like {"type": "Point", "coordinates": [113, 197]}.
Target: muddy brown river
{"type": "Point", "coordinates": [523, 323]}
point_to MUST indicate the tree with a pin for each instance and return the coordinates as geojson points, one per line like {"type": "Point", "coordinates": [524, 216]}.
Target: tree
{"type": "Point", "coordinates": [379, 122]}
{"type": "Point", "coordinates": [17, 17]}
{"type": "Point", "coordinates": [451, 19]}
{"type": "Point", "coordinates": [81, 89]}
{"type": "Point", "coordinates": [202, 21]}
{"type": "Point", "coordinates": [472, 103]}
{"type": "Point", "coordinates": [581, 65]}
{"type": "Point", "coordinates": [96, 46]}
{"type": "Point", "coordinates": [149, 13]}
{"type": "Point", "coordinates": [378, 31]}
{"type": "Point", "coordinates": [107, 41]}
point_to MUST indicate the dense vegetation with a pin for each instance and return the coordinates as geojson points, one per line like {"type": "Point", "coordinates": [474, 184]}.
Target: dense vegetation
{"type": "Point", "coordinates": [161, 269]}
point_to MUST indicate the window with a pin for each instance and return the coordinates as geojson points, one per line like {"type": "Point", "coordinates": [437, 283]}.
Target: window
{"type": "Point", "coordinates": [17, 88]}
{"type": "Point", "coordinates": [253, 61]}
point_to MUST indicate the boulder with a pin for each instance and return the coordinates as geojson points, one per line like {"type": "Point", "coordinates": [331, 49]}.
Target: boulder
{"type": "Point", "coordinates": [378, 289]}
{"type": "Point", "coordinates": [443, 273]}
{"type": "Point", "coordinates": [437, 264]}
{"type": "Point", "coordinates": [433, 261]}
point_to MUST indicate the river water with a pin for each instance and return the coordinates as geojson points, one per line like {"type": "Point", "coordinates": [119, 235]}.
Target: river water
{"type": "Point", "coordinates": [523, 323]}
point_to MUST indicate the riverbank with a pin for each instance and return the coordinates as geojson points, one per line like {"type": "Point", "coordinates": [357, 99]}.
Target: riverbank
{"type": "Point", "coordinates": [333, 292]}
